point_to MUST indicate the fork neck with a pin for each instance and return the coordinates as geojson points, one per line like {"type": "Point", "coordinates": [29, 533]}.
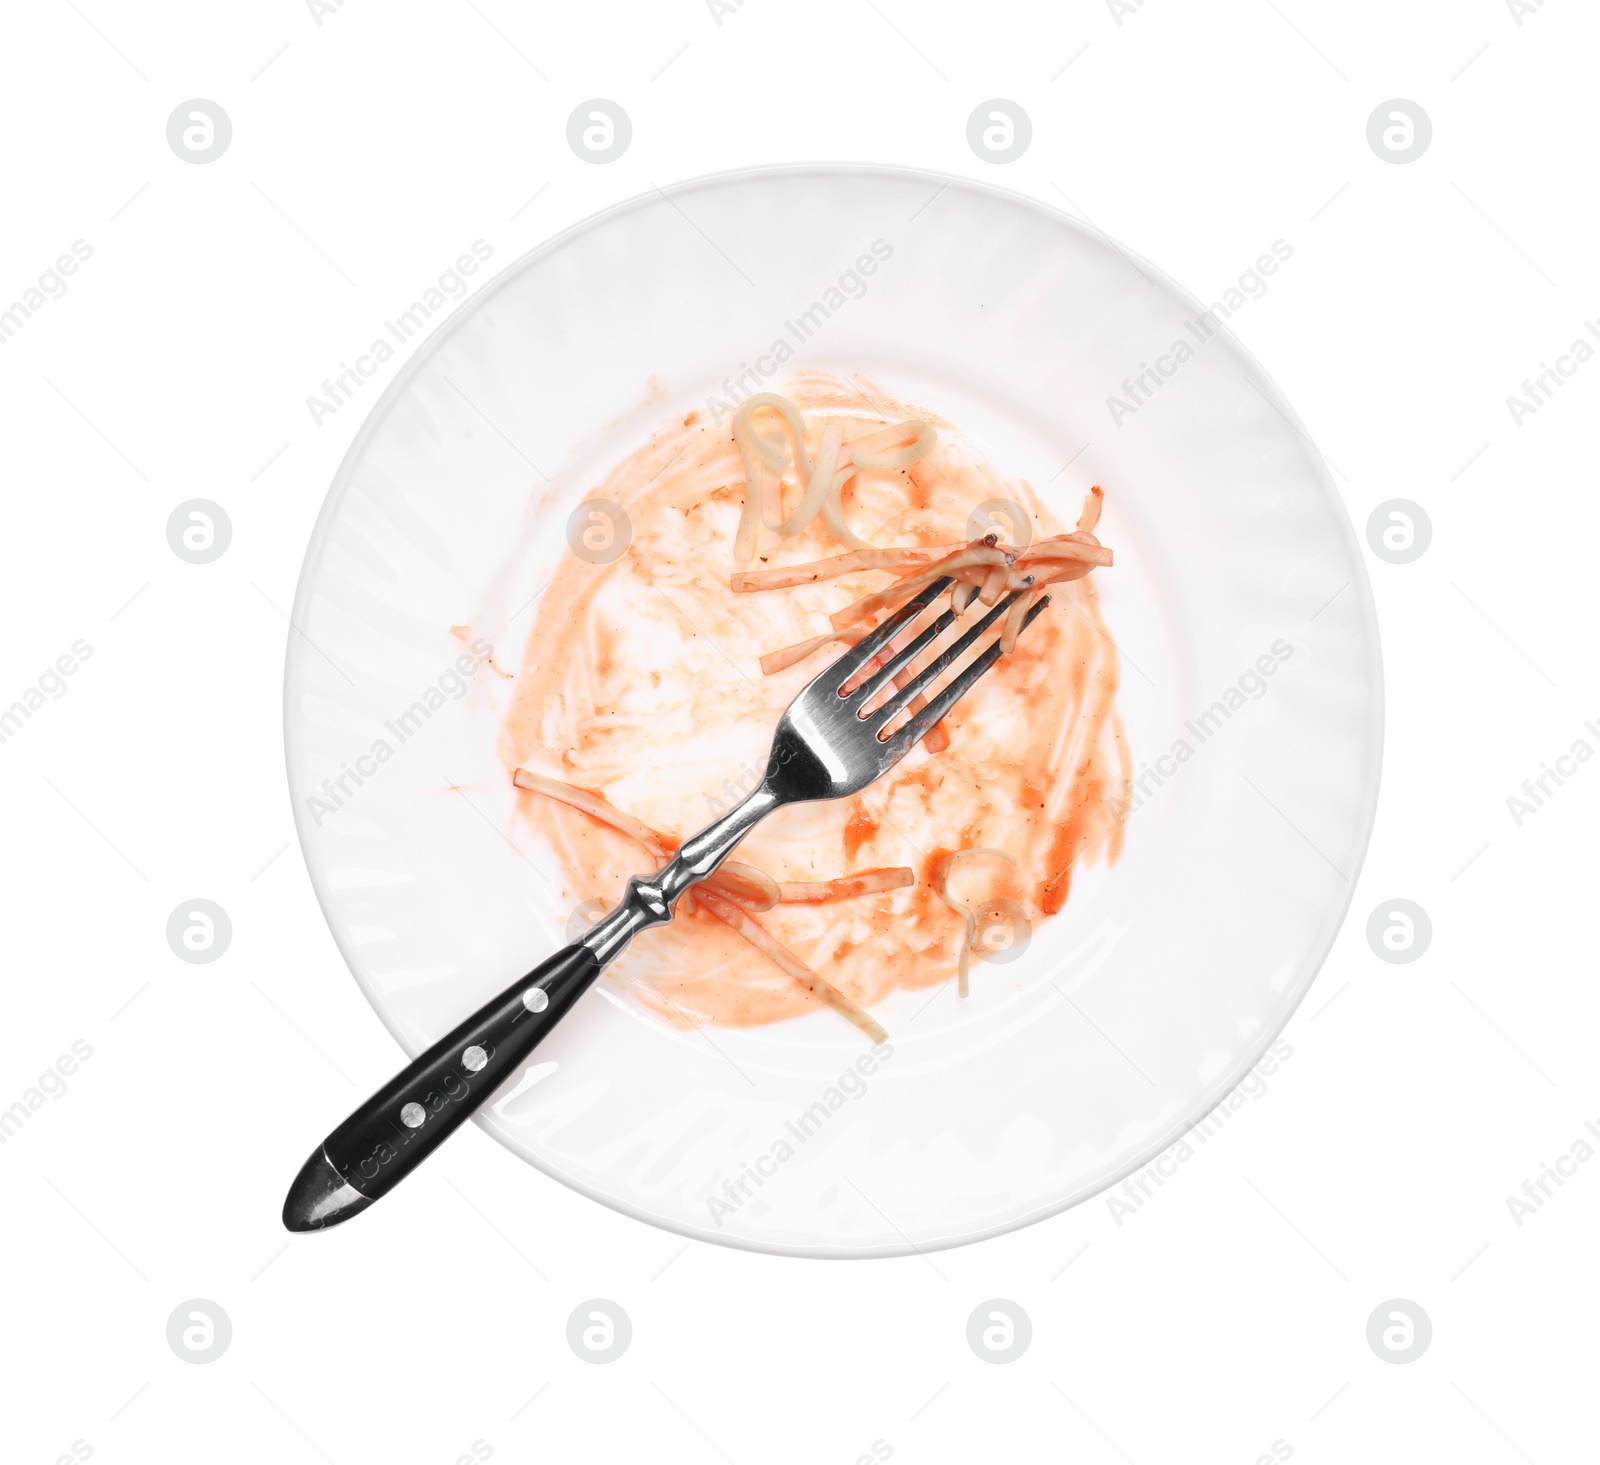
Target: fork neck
{"type": "Point", "coordinates": [701, 853]}
{"type": "Point", "coordinates": [649, 899]}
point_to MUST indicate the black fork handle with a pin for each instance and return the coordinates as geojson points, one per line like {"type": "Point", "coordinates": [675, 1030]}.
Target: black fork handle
{"type": "Point", "coordinates": [385, 1139]}
{"type": "Point", "coordinates": [423, 1105]}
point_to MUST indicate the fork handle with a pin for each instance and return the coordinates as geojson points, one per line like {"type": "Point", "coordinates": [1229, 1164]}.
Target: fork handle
{"type": "Point", "coordinates": [385, 1139]}
{"type": "Point", "coordinates": [417, 1110]}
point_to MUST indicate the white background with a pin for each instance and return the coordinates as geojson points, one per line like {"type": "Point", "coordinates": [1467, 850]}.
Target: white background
{"type": "Point", "coordinates": [1230, 1311]}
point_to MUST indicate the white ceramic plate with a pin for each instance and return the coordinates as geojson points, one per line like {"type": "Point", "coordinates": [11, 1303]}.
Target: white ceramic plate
{"type": "Point", "coordinates": [1165, 979]}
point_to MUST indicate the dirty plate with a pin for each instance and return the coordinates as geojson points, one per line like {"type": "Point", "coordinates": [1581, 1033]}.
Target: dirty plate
{"type": "Point", "coordinates": [1252, 692]}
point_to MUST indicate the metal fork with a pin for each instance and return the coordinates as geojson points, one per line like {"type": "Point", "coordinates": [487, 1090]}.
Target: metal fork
{"type": "Point", "coordinates": [834, 739]}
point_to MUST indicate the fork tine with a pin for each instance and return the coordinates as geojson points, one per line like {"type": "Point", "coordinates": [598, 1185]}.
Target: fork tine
{"type": "Point", "coordinates": [891, 669]}
{"type": "Point", "coordinates": [924, 678]}
{"type": "Point", "coordinates": [865, 649]}
{"type": "Point", "coordinates": [941, 705]}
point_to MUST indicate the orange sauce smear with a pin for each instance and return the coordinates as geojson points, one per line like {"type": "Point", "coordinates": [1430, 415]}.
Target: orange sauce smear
{"type": "Point", "coordinates": [640, 682]}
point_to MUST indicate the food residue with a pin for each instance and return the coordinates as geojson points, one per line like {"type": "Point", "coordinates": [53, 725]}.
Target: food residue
{"type": "Point", "coordinates": [651, 683]}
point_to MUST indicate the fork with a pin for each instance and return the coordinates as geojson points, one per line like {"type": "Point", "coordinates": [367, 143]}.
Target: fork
{"type": "Point", "coordinates": [833, 740]}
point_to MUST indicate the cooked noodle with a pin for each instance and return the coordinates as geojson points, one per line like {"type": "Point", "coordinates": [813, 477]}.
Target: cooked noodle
{"type": "Point", "coordinates": [941, 884]}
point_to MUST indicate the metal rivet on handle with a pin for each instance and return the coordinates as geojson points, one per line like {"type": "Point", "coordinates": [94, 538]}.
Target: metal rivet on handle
{"type": "Point", "coordinates": [413, 1115]}
{"type": "Point", "coordinates": [474, 1058]}
{"type": "Point", "coordinates": [535, 999]}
